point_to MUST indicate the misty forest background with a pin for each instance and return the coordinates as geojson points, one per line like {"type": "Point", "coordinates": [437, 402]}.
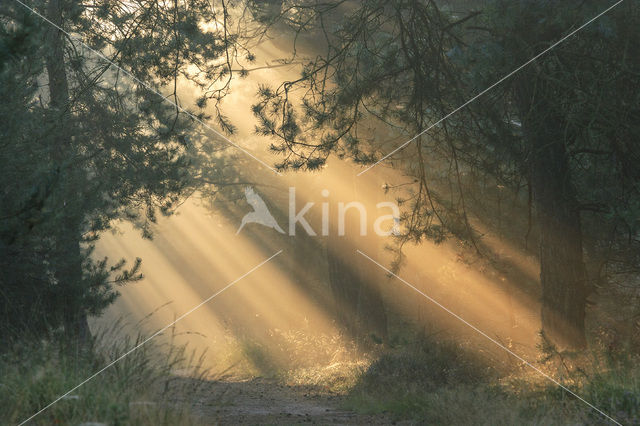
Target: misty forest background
{"type": "Point", "coordinates": [545, 163]}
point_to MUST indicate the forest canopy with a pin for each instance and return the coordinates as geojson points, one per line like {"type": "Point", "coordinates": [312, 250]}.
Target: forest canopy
{"type": "Point", "coordinates": [562, 128]}
{"type": "Point", "coordinates": [506, 130]}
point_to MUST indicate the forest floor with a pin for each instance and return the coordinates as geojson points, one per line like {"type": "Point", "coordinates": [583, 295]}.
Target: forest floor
{"type": "Point", "coordinates": [268, 401]}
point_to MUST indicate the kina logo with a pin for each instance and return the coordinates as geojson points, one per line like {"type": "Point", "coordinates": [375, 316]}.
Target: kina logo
{"type": "Point", "coordinates": [260, 213]}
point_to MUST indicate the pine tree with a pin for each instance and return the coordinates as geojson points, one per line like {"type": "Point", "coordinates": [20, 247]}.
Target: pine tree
{"type": "Point", "coordinates": [562, 124]}
{"type": "Point", "coordinates": [87, 143]}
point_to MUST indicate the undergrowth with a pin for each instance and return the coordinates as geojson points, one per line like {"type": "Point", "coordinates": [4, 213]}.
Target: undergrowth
{"type": "Point", "coordinates": [436, 383]}
{"type": "Point", "coordinates": [136, 390]}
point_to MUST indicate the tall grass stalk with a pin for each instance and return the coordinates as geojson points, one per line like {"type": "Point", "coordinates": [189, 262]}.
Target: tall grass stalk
{"type": "Point", "coordinates": [147, 387]}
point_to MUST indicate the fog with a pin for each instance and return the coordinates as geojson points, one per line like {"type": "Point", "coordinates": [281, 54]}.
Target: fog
{"type": "Point", "coordinates": [286, 306]}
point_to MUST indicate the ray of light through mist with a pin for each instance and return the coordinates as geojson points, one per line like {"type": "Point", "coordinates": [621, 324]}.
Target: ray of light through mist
{"type": "Point", "coordinates": [288, 303]}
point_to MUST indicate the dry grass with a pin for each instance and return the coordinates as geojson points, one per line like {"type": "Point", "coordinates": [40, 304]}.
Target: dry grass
{"type": "Point", "coordinates": [440, 384]}
{"type": "Point", "coordinates": [137, 390]}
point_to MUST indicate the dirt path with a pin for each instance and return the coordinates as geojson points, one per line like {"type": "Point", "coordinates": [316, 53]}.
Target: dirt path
{"type": "Point", "coordinates": [261, 401]}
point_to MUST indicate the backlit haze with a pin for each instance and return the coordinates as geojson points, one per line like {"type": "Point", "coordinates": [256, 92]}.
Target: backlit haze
{"type": "Point", "coordinates": [285, 307]}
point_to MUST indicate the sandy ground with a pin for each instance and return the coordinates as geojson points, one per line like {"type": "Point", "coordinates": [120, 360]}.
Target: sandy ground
{"type": "Point", "coordinates": [263, 401]}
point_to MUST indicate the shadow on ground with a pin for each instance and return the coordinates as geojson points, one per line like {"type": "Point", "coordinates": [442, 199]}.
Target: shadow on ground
{"type": "Point", "coordinates": [268, 401]}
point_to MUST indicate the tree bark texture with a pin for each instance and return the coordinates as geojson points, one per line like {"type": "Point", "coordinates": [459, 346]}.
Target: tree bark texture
{"type": "Point", "coordinates": [562, 269]}
{"type": "Point", "coordinates": [68, 259]}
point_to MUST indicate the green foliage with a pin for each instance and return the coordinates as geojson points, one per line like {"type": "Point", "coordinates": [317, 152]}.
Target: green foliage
{"type": "Point", "coordinates": [403, 65]}
{"type": "Point", "coordinates": [86, 144]}
{"type": "Point", "coordinates": [139, 389]}
{"type": "Point", "coordinates": [560, 132]}
{"type": "Point", "coordinates": [614, 386]}
{"type": "Point", "coordinates": [442, 384]}
{"type": "Point", "coordinates": [426, 366]}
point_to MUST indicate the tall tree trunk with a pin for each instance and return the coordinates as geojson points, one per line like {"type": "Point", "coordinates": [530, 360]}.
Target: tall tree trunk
{"type": "Point", "coordinates": [68, 253]}
{"type": "Point", "coordinates": [562, 270]}
{"type": "Point", "coordinates": [372, 315]}
{"type": "Point", "coordinates": [358, 302]}
{"type": "Point", "coordinates": [357, 297]}
{"type": "Point", "coordinates": [344, 285]}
